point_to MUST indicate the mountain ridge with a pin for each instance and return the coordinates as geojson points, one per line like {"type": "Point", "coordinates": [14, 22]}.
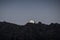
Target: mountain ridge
{"type": "Point", "coordinates": [29, 31]}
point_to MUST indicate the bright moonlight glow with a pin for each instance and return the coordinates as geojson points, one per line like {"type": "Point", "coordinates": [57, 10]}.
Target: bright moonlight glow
{"type": "Point", "coordinates": [31, 21]}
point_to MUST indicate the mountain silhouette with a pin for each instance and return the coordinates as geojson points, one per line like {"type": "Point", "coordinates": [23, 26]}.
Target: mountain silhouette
{"type": "Point", "coordinates": [29, 31]}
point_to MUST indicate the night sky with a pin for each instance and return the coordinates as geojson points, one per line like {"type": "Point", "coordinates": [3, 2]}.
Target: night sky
{"type": "Point", "coordinates": [20, 12]}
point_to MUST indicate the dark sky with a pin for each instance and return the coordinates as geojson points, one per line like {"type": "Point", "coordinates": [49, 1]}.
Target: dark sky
{"type": "Point", "coordinates": [20, 12]}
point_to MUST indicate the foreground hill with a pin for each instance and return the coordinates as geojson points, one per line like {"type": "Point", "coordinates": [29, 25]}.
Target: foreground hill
{"type": "Point", "coordinates": [29, 31]}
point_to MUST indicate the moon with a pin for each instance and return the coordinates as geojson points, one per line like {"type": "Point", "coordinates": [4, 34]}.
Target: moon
{"type": "Point", "coordinates": [31, 21]}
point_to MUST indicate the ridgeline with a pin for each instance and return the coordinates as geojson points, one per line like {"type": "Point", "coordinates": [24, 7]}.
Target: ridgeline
{"type": "Point", "coordinates": [29, 31]}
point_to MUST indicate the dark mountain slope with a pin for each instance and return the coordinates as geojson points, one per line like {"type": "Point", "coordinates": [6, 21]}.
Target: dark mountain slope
{"type": "Point", "coordinates": [29, 31]}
